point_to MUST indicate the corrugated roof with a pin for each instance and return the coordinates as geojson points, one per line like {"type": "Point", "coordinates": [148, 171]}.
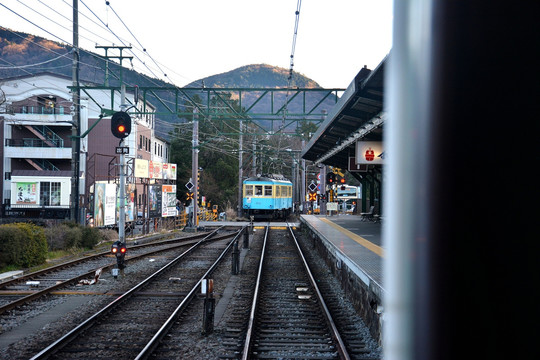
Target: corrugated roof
{"type": "Point", "coordinates": [361, 102]}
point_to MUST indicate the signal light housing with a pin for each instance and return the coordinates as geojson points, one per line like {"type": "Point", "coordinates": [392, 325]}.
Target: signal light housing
{"type": "Point", "coordinates": [121, 124]}
{"type": "Point", "coordinates": [331, 178]}
{"type": "Point", "coordinates": [118, 248]}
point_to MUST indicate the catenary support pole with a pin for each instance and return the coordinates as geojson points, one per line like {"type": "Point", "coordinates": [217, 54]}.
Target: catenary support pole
{"type": "Point", "coordinates": [76, 121]}
{"type": "Point", "coordinates": [195, 168]}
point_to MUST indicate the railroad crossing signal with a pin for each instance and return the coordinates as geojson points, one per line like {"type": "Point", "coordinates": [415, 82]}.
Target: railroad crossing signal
{"type": "Point", "coordinates": [338, 171]}
{"type": "Point", "coordinates": [312, 196]}
{"type": "Point", "coordinates": [331, 178]}
{"type": "Point", "coordinates": [189, 196]}
{"type": "Point", "coordinates": [121, 124]}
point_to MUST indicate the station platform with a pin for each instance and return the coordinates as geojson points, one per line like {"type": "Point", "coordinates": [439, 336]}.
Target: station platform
{"type": "Point", "coordinates": [353, 249]}
{"type": "Point", "coordinates": [356, 243]}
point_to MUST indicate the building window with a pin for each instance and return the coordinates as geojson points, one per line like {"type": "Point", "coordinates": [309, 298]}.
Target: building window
{"type": "Point", "coordinates": [55, 193]}
{"type": "Point", "coordinates": [44, 193]}
{"type": "Point", "coordinates": [49, 193]}
{"type": "Point", "coordinates": [140, 142]}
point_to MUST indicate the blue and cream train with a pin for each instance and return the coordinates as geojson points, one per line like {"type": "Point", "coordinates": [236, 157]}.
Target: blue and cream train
{"type": "Point", "coordinates": [267, 197]}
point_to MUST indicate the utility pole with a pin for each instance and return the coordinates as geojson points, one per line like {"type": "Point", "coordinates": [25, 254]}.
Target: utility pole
{"type": "Point", "coordinates": [240, 173]}
{"type": "Point", "coordinates": [195, 167]}
{"type": "Point", "coordinates": [303, 183]}
{"type": "Point", "coordinates": [322, 203]}
{"type": "Point", "coordinates": [76, 121]}
{"type": "Point", "coordinates": [254, 159]}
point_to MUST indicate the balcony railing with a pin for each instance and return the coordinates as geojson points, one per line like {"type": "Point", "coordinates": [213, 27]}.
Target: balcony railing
{"type": "Point", "coordinates": [38, 110]}
{"type": "Point", "coordinates": [34, 143]}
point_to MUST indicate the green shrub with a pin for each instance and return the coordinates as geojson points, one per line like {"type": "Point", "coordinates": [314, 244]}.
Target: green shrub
{"type": "Point", "coordinates": [22, 244]}
{"type": "Point", "coordinates": [90, 237]}
{"type": "Point", "coordinates": [10, 244]}
{"type": "Point", "coordinates": [70, 235]}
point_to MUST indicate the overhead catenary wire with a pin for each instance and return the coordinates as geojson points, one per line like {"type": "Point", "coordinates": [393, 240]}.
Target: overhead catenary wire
{"type": "Point", "coordinates": [107, 26]}
{"type": "Point", "coordinates": [33, 65]}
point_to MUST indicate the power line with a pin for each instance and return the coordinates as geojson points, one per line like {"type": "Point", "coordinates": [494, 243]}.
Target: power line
{"type": "Point", "coordinates": [32, 65]}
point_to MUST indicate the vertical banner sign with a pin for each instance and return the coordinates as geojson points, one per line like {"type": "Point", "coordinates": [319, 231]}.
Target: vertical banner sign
{"type": "Point", "coordinates": [154, 200]}
{"type": "Point", "coordinates": [155, 170]}
{"type": "Point", "coordinates": [26, 193]}
{"type": "Point", "coordinates": [110, 204]}
{"type": "Point", "coordinates": [166, 170]}
{"type": "Point", "coordinates": [129, 203]}
{"type": "Point", "coordinates": [104, 204]}
{"type": "Point", "coordinates": [369, 152]}
{"type": "Point", "coordinates": [169, 201]}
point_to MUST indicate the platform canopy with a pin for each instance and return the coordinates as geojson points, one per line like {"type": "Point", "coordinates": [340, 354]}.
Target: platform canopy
{"type": "Point", "coordinates": [358, 115]}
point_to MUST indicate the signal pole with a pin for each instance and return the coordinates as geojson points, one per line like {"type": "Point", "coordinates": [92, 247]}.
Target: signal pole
{"type": "Point", "coordinates": [123, 107]}
{"type": "Point", "coordinates": [122, 209]}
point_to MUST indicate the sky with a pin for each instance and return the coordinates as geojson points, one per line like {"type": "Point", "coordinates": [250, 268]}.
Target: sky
{"type": "Point", "coordinates": [191, 39]}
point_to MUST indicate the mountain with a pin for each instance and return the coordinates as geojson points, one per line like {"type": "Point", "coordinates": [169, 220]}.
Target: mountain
{"type": "Point", "coordinates": [256, 76]}
{"type": "Point", "coordinates": [23, 54]}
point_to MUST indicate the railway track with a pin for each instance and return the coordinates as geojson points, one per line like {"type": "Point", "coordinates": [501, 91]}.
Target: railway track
{"type": "Point", "coordinates": [22, 290]}
{"type": "Point", "coordinates": [294, 328]}
{"type": "Point", "coordinates": [134, 324]}
{"type": "Point", "coordinates": [289, 318]}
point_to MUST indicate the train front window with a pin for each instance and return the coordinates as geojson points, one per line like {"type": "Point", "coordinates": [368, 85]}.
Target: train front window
{"type": "Point", "coordinates": [249, 190]}
{"type": "Point", "coordinates": [258, 189]}
{"type": "Point", "coordinates": [268, 190]}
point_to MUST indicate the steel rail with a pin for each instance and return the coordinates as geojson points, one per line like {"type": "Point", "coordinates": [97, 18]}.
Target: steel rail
{"type": "Point", "coordinates": [90, 257]}
{"type": "Point", "coordinates": [249, 332]}
{"type": "Point", "coordinates": [147, 351]}
{"type": "Point", "coordinates": [88, 323]}
{"type": "Point", "coordinates": [343, 353]}
{"type": "Point", "coordinates": [86, 275]}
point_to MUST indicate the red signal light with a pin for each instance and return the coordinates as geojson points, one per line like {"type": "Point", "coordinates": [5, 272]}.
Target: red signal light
{"type": "Point", "coordinates": [123, 250]}
{"type": "Point", "coordinates": [121, 124]}
{"type": "Point", "coordinates": [114, 250]}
